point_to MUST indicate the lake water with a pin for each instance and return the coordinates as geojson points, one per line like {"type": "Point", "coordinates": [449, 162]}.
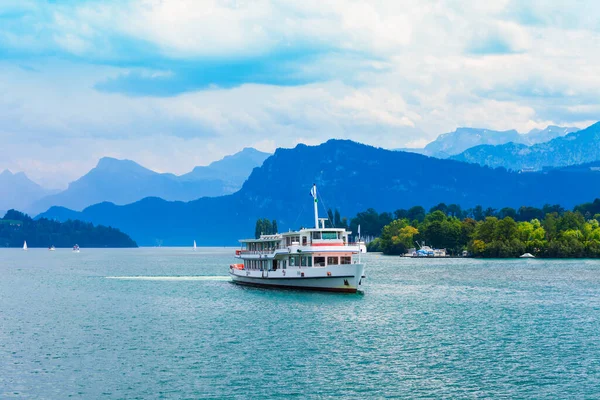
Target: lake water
{"type": "Point", "coordinates": [79, 325]}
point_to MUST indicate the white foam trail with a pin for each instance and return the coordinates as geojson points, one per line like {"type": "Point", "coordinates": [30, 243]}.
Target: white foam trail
{"type": "Point", "coordinates": [171, 278]}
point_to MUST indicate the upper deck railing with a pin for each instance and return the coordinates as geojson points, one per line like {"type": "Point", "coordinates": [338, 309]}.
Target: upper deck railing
{"type": "Point", "coordinates": [273, 249]}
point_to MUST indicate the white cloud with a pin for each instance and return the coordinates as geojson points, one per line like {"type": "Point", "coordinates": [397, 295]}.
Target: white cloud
{"type": "Point", "coordinates": [393, 74]}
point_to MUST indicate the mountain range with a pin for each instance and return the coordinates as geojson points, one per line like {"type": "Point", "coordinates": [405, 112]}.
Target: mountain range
{"type": "Point", "coordinates": [350, 177]}
{"type": "Point", "coordinates": [575, 148]}
{"type": "Point", "coordinates": [18, 191]}
{"type": "Point", "coordinates": [124, 181]}
{"type": "Point", "coordinates": [452, 143]}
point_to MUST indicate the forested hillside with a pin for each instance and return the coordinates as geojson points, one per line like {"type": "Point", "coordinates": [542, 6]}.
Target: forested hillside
{"type": "Point", "coordinates": [16, 228]}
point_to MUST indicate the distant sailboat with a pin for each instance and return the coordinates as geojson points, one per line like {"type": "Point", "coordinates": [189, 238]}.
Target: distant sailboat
{"type": "Point", "coordinates": [25, 245]}
{"type": "Point", "coordinates": [52, 248]}
{"type": "Point", "coordinates": [194, 245]}
{"type": "Point", "coordinates": [76, 248]}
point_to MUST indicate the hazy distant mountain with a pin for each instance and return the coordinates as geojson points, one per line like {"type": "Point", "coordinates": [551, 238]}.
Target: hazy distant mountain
{"type": "Point", "coordinates": [124, 181]}
{"type": "Point", "coordinates": [351, 177]}
{"type": "Point", "coordinates": [19, 192]}
{"type": "Point", "coordinates": [452, 143]}
{"type": "Point", "coordinates": [540, 136]}
{"type": "Point", "coordinates": [575, 148]}
{"type": "Point", "coordinates": [233, 169]}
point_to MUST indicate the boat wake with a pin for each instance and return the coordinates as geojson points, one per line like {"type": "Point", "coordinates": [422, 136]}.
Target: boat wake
{"type": "Point", "coordinates": [171, 278]}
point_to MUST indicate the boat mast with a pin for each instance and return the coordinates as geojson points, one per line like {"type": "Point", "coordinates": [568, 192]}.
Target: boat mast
{"type": "Point", "coordinates": [313, 193]}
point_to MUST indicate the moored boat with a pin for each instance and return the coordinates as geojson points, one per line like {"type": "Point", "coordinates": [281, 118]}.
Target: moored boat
{"type": "Point", "coordinates": [318, 258]}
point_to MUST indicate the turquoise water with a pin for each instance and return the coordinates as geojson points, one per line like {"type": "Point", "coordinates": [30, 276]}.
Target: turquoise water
{"type": "Point", "coordinates": [77, 325]}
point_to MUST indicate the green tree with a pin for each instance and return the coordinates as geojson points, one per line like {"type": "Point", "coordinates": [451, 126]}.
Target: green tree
{"type": "Point", "coordinates": [478, 213]}
{"type": "Point", "coordinates": [506, 229]}
{"type": "Point", "coordinates": [507, 212]}
{"type": "Point", "coordinates": [454, 210]}
{"type": "Point", "coordinates": [416, 212]}
{"type": "Point", "coordinates": [440, 207]}
{"type": "Point", "coordinates": [571, 221]}
{"type": "Point", "coordinates": [485, 230]}
{"type": "Point", "coordinates": [258, 229]}
{"type": "Point", "coordinates": [401, 214]}
{"type": "Point", "coordinates": [393, 237]}
{"type": "Point", "coordinates": [529, 213]}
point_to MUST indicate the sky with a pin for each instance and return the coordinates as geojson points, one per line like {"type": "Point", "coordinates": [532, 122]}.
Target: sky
{"type": "Point", "coordinates": [172, 84]}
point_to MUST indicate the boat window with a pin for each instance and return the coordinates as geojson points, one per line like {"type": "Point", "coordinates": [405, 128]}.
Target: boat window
{"type": "Point", "coordinates": [284, 262]}
{"type": "Point", "coordinates": [294, 261]}
{"type": "Point", "coordinates": [319, 261]}
{"type": "Point", "coordinates": [304, 239]}
{"type": "Point", "coordinates": [309, 261]}
{"type": "Point", "coordinates": [303, 261]}
{"type": "Point", "coordinates": [332, 260]}
{"type": "Point", "coordinates": [345, 260]}
{"type": "Point", "coordinates": [329, 235]}
{"type": "Point", "coordinates": [316, 235]}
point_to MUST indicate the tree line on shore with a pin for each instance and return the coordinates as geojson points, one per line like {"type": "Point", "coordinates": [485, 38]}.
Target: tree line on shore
{"type": "Point", "coordinates": [550, 231]}
{"type": "Point", "coordinates": [16, 228]}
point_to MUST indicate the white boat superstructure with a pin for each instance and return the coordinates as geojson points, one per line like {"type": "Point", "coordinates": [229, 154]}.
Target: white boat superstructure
{"type": "Point", "coordinates": [318, 258]}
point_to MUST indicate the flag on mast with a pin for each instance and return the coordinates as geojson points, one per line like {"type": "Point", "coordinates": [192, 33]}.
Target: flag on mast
{"type": "Point", "coordinates": [313, 193]}
{"type": "Point", "coordinates": [359, 231]}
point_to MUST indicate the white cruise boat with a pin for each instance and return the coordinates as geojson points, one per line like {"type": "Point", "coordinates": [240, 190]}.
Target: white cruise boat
{"type": "Point", "coordinates": [315, 259]}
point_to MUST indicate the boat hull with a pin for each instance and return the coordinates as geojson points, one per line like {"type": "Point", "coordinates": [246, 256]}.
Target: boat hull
{"type": "Point", "coordinates": [346, 279]}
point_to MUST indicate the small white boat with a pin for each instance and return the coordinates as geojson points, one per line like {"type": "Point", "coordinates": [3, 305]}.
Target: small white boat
{"type": "Point", "coordinates": [51, 248]}
{"type": "Point", "coordinates": [194, 245]}
{"type": "Point", "coordinates": [362, 246]}
{"type": "Point", "coordinates": [527, 255]}
{"type": "Point", "coordinates": [25, 245]}
{"type": "Point", "coordinates": [76, 248]}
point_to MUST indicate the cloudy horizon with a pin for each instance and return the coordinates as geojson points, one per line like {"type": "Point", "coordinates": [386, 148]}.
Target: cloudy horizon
{"type": "Point", "coordinates": [172, 85]}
